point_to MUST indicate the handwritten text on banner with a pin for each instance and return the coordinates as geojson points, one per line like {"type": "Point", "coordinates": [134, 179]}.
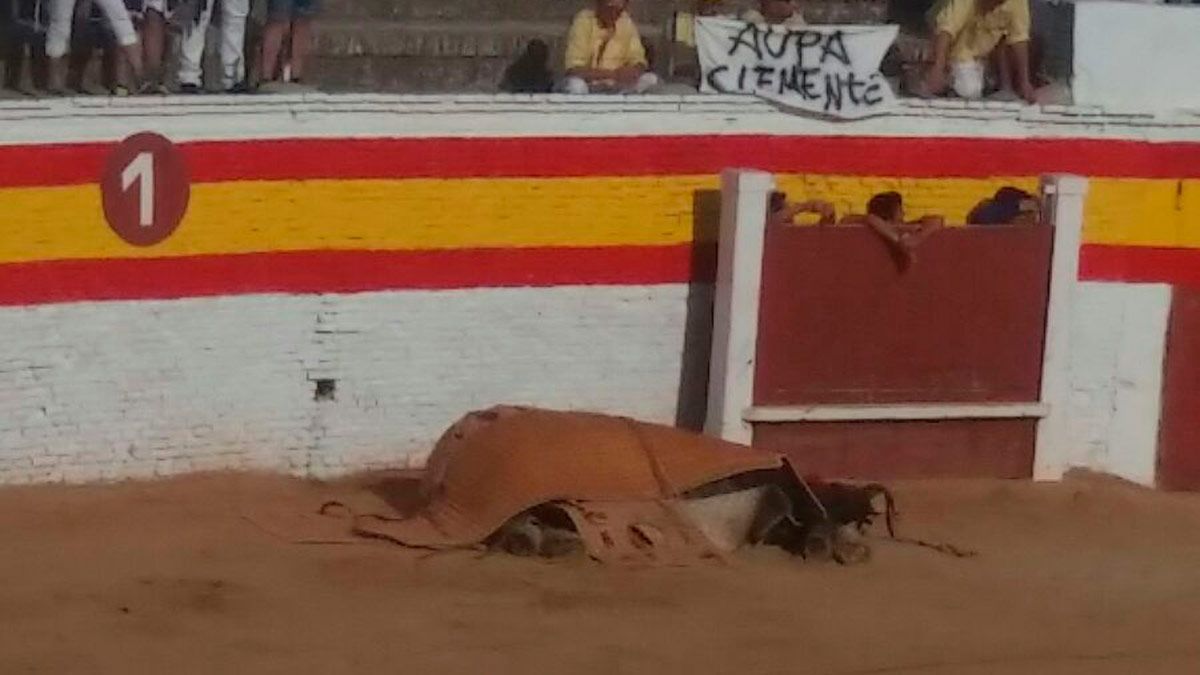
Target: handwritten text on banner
{"type": "Point", "coordinates": [832, 70]}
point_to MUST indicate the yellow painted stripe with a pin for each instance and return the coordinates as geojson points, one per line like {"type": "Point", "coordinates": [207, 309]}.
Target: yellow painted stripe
{"type": "Point", "coordinates": [420, 214]}
{"type": "Point", "coordinates": [246, 216]}
{"type": "Point", "coordinates": [1141, 212]}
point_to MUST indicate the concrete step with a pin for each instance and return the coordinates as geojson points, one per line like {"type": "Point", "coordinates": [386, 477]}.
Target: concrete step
{"type": "Point", "coordinates": [441, 39]}
{"type": "Point", "coordinates": [478, 11]}
{"type": "Point", "coordinates": [408, 74]}
{"type": "Point", "coordinates": [845, 11]}
{"type": "Point", "coordinates": [392, 56]}
{"type": "Point", "coordinates": [643, 12]}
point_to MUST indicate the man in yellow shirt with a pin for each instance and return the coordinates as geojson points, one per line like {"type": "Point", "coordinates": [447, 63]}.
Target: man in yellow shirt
{"type": "Point", "coordinates": [967, 33]}
{"type": "Point", "coordinates": [605, 52]}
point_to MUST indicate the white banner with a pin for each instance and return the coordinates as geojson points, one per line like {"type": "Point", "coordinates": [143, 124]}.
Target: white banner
{"type": "Point", "coordinates": [830, 70]}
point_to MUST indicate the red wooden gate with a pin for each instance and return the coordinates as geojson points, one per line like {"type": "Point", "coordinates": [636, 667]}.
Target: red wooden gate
{"type": "Point", "coordinates": [864, 370]}
{"type": "Point", "coordinates": [1179, 430]}
{"type": "Point", "coordinates": [826, 350]}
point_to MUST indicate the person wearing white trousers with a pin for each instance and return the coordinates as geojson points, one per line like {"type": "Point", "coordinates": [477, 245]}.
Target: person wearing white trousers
{"type": "Point", "coordinates": [233, 43]}
{"type": "Point", "coordinates": [578, 85]}
{"type": "Point", "coordinates": [58, 38]}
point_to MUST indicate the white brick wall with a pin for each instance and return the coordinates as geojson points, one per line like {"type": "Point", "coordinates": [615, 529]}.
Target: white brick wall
{"type": "Point", "coordinates": [101, 391]}
{"type": "Point", "coordinates": [95, 391]}
{"type": "Point", "coordinates": [1118, 337]}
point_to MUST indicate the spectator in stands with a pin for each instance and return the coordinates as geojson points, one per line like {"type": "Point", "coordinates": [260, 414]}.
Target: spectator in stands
{"type": "Point", "coordinates": [782, 13]}
{"type": "Point", "coordinates": [1009, 206]}
{"type": "Point", "coordinates": [58, 39]}
{"type": "Point", "coordinates": [885, 215]}
{"type": "Point", "coordinates": [232, 49]}
{"type": "Point", "coordinates": [154, 43]}
{"type": "Point", "coordinates": [782, 211]}
{"type": "Point", "coordinates": [605, 53]}
{"type": "Point", "coordinates": [150, 17]}
{"type": "Point", "coordinates": [530, 73]}
{"type": "Point", "coordinates": [294, 19]}
{"type": "Point", "coordinates": [970, 33]}
{"type": "Point", "coordinates": [18, 30]}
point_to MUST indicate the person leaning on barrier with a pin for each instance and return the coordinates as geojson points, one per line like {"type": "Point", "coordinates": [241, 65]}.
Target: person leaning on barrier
{"type": "Point", "coordinates": [782, 13]}
{"type": "Point", "coordinates": [780, 210]}
{"type": "Point", "coordinates": [885, 215]}
{"type": "Point", "coordinates": [1009, 206]}
{"type": "Point", "coordinates": [968, 34]}
{"type": "Point", "coordinates": [605, 52]}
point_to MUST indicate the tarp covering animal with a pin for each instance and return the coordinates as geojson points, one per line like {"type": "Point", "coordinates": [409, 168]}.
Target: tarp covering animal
{"type": "Point", "coordinates": [493, 465]}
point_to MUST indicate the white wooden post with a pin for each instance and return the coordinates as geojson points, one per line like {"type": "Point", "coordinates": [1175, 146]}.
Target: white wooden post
{"type": "Point", "coordinates": [744, 198]}
{"type": "Point", "coordinates": [1065, 196]}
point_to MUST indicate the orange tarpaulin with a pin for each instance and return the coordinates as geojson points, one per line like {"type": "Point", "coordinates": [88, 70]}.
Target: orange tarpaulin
{"type": "Point", "coordinates": [492, 465]}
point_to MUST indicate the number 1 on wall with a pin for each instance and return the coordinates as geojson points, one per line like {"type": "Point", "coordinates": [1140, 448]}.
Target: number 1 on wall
{"type": "Point", "coordinates": [152, 165]}
{"type": "Point", "coordinates": [141, 171]}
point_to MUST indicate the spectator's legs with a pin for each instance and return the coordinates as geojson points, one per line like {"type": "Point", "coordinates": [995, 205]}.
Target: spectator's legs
{"type": "Point", "coordinates": [127, 37]}
{"type": "Point", "coordinates": [58, 40]}
{"type": "Point", "coordinates": [191, 52]}
{"type": "Point", "coordinates": [233, 42]}
{"type": "Point", "coordinates": [1002, 65]}
{"type": "Point", "coordinates": [153, 42]}
{"type": "Point", "coordinates": [12, 53]}
{"type": "Point", "coordinates": [574, 85]}
{"type": "Point", "coordinates": [967, 79]}
{"type": "Point", "coordinates": [272, 43]}
{"type": "Point", "coordinates": [301, 44]}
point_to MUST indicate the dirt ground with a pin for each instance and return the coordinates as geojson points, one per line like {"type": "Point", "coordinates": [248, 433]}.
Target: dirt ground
{"type": "Point", "coordinates": [1088, 576]}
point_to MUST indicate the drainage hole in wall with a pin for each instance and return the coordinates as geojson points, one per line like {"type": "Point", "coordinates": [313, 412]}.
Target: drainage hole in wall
{"type": "Point", "coordinates": [325, 390]}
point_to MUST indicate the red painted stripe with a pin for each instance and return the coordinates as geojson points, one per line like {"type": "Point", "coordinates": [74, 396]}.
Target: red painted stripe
{"type": "Point", "coordinates": [24, 165]}
{"type": "Point", "coordinates": [1180, 266]}
{"type": "Point", "coordinates": [348, 272]}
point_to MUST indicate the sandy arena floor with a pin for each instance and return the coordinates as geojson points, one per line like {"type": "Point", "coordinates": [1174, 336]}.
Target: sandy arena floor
{"type": "Point", "coordinates": [1088, 577]}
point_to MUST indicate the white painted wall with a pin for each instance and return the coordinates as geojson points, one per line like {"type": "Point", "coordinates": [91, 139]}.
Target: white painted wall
{"type": "Point", "coordinates": [95, 391]}
{"type": "Point", "coordinates": [1137, 56]}
{"type": "Point", "coordinates": [121, 389]}
{"type": "Point", "coordinates": [1118, 339]}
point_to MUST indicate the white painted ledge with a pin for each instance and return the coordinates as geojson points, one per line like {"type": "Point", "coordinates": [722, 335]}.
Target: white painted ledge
{"type": "Point", "coordinates": [895, 412]}
{"type": "Point", "coordinates": [220, 117]}
{"type": "Point", "coordinates": [567, 102]}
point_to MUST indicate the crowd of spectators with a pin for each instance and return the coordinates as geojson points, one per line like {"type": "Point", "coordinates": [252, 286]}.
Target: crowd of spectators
{"type": "Point", "coordinates": [975, 48]}
{"type": "Point", "coordinates": [133, 36]}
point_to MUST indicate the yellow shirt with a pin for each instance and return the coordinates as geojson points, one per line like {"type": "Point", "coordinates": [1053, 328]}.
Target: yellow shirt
{"type": "Point", "coordinates": [685, 29]}
{"type": "Point", "coordinates": [975, 35]}
{"type": "Point", "coordinates": [622, 46]}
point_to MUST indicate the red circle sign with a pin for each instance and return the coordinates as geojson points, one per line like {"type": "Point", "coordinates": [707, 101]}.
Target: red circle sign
{"type": "Point", "coordinates": [145, 189]}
